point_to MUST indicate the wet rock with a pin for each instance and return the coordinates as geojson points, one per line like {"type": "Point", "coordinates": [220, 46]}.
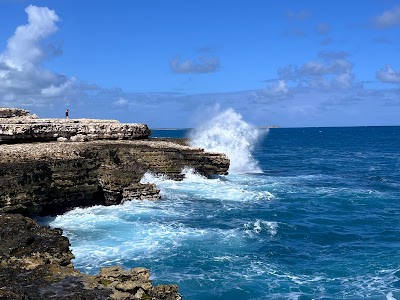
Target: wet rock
{"type": "Point", "coordinates": [98, 162]}
{"type": "Point", "coordinates": [35, 264]}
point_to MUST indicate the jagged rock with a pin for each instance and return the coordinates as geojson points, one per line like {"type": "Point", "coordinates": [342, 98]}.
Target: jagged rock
{"type": "Point", "coordinates": [22, 241]}
{"type": "Point", "coordinates": [16, 130]}
{"type": "Point", "coordinates": [79, 138]}
{"type": "Point", "coordinates": [51, 178]}
{"type": "Point", "coordinates": [13, 112]}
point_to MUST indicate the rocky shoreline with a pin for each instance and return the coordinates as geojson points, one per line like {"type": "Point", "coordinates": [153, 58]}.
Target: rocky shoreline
{"type": "Point", "coordinates": [49, 166]}
{"type": "Point", "coordinates": [35, 264]}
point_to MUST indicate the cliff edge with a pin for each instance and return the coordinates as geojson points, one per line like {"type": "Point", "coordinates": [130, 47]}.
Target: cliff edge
{"type": "Point", "coordinates": [35, 264]}
{"type": "Point", "coordinates": [49, 166]}
{"type": "Point", "coordinates": [18, 126]}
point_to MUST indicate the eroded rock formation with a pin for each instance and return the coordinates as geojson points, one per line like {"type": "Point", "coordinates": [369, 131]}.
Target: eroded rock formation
{"type": "Point", "coordinates": [48, 166]}
{"type": "Point", "coordinates": [13, 130]}
{"type": "Point", "coordinates": [35, 264]}
{"type": "Point", "coordinates": [51, 178]}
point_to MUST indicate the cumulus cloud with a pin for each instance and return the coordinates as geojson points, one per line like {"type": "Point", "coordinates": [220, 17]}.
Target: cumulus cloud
{"type": "Point", "coordinates": [281, 87]}
{"type": "Point", "coordinates": [122, 102]}
{"type": "Point", "coordinates": [277, 89]}
{"type": "Point", "coordinates": [388, 18]}
{"type": "Point", "coordinates": [23, 80]}
{"type": "Point", "coordinates": [24, 47]}
{"type": "Point", "coordinates": [388, 75]}
{"type": "Point", "coordinates": [335, 71]}
{"type": "Point", "coordinates": [61, 88]}
{"type": "Point", "coordinates": [202, 64]}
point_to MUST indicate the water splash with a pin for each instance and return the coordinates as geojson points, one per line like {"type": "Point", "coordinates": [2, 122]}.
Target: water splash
{"type": "Point", "coordinates": [228, 133]}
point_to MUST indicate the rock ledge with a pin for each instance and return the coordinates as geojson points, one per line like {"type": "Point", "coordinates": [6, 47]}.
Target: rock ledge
{"type": "Point", "coordinates": [100, 162]}
{"type": "Point", "coordinates": [18, 126]}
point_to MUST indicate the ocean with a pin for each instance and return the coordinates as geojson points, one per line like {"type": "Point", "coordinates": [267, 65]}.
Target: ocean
{"type": "Point", "coordinates": [305, 213]}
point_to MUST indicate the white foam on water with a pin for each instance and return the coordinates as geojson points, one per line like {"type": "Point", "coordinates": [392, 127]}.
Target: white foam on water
{"type": "Point", "coordinates": [192, 176]}
{"type": "Point", "coordinates": [150, 177]}
{"type": "Point", "coordinates": [363, 286]}
{"type": "Point", "coordinates": [240, 188]}
{"type": "Point", "coordinates": [228, 133]}
{"type": "Point", "coordinates": [260, 226]}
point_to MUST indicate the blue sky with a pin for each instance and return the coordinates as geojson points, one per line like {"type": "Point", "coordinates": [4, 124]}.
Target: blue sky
{"type": "Point", "coordinates": [172, 63]}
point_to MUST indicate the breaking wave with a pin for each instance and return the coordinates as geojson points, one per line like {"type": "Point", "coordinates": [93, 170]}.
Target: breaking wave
{"type": "Point", "coordinates": [230, 134]}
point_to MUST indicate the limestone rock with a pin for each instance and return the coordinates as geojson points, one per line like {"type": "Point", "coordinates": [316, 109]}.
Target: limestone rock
{"type": "Point", "coordinates": [16, 130]}
{"type": "Point", "coordinates": [51, 178]}
{"type": "Point", "coordinates": [13, 112]}
{"type": "Point", "coordinates": [22, 241]}
{"type": "Point", "coordinates": [98, 162]}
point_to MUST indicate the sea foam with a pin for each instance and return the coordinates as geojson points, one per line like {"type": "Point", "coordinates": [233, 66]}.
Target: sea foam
{"type": "Point", "coordinates": [230, 134]}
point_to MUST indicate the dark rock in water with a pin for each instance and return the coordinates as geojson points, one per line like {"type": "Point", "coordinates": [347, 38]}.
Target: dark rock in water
{"type": "Point", "coordinates": [35, 263]}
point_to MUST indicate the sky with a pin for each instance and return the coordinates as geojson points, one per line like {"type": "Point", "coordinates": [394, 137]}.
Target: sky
{"type": "Point", "coordinates": [176, 63]}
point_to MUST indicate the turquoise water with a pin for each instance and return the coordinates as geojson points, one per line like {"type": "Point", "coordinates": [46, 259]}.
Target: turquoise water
{"type": "Point", "coordinates": [316, 217]}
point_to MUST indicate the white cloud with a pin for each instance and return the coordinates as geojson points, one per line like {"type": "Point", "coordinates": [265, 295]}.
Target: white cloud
{"type": "Point", "coordinates": [277, 89]}
{"type": "Point", "coordinates": [202, 64]}
{"type": "Point", "coordinates": [22, 75]}
{"type": "Point", "coordinates": [54, 91]}
{"type": "Point", "coordinates": [345, 79]}
{"type": "Point", "coordinates": [334, 71]}
{"type": "Point", "coordinates": [388, 18]}
{"type": "Point", "coordinates": [24, 46]}
{"type": "Point", "coordinates": [388, 75]}
{"type": "Point", "coordinates": [121, 102]}
{"type": "Point", "coordinates": [281, 87]}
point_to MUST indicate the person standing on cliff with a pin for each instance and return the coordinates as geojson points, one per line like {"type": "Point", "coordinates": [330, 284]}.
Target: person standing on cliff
{"type": "Point", "coordinates": [66, 113]}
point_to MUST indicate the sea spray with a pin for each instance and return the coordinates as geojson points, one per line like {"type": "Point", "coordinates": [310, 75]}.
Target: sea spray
{"type": "Point", "coordinates": [304, 231]}
{"type": "Point", "coordinates": [229, 134]}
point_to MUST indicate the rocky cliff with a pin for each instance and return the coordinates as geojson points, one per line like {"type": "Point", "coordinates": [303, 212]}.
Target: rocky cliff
{"type": "Point", "coordinates": [35, 264]}
{"type": "Point", "coordinates": [50, 178]}
{"type": "Point", "coordinates": [17, 129]}
{"type": "Point", "coordinates": [48, 166]}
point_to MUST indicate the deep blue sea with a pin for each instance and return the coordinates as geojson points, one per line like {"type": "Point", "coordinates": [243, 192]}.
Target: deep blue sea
{"type": "Point", "coordinates": [305, 213]}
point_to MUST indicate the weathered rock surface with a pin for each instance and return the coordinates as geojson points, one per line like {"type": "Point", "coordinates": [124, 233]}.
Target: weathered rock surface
{"type": "Point", "coordinates": [13, 130]}
{"type": "Point", "coordinates": [78, 163]}
{"type": "Point", "coordinates": [6, 112]}
{"type": "Point", "coordinates": [35, 264]}
{"type": "Point", "coordinates": [51, 178]}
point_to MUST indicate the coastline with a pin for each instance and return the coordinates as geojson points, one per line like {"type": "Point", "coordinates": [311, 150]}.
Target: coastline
{"type": "Point", "coordinates": [83, 164]}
